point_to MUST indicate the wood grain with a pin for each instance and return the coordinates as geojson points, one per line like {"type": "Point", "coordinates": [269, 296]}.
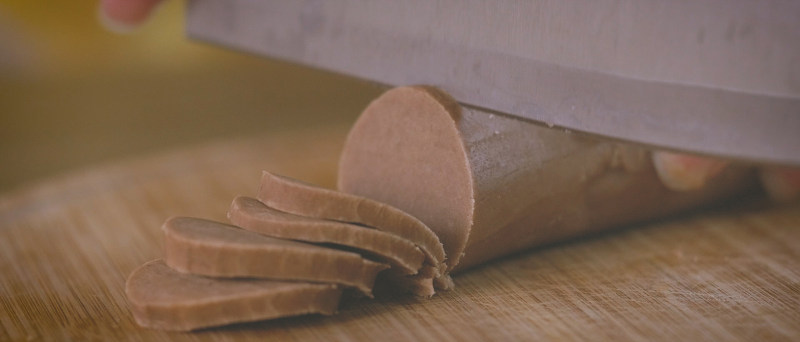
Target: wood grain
{"type": "Point", "coordinates": [67, 245]}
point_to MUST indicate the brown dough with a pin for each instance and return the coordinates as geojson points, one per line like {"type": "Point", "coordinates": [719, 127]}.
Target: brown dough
{"type": "Point", "coordinates": [490, 185]}
{"type": "Point", "coordinates": [308, 200]}
{"type": "Point", "coordinates": [161, 298]}
{"type": "Point", "coordinates": [210, 248]}
{"type": "Point", "coordinates": [423, 284]}
{"type": "Point", "coordinates": [416, 285]}
{"type": "Point", "coordinates": [253, 215]}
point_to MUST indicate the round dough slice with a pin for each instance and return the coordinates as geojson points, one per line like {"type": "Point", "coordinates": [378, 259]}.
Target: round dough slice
{"type": "Point", "coordinates": [209, 248]}
{"type": "Point", "coordinates": [304, 199]}
{"type": "Point", "coordinates": [162, 298]}
{"type": "Point", "coordinates": [403, 256]}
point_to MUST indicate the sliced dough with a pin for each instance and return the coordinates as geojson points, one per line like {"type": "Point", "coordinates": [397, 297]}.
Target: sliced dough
{"type": "Point", "coordinates": [210, 248]}
{"type": "Point", "coordinates": [249, 213]}
{"type": "Point", "coordinates": [416, 285]}
{"type": "Point", "coordinates": [490, 185]}
{"type": "Point", "coordinates": [162, 298]}
{"type": "Point", "coordinates": [303, 199]}
{"type": "Point", "coordinates": [423, 284]}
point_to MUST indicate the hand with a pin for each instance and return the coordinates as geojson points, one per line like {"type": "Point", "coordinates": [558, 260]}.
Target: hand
{"type": "Point", "coordinates": [123, 16]}
{"type": "Point", "coordinates": [682, 172]}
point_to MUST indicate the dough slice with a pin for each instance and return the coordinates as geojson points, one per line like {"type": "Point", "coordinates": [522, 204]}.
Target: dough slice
{"type": "Point", "coordinates": [211, 248]}
{"type": "Point", "coordinates": [162, 298]}
{"type": "Point", "coordinates": [423, 284]}
{"type": "Point", "coordinates": [303, 199]}
{"type": "Point", "coordinates": [249, 213]}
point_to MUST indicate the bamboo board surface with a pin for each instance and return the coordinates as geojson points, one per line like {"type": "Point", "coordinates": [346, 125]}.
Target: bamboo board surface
{"type": "Point", "coordinates": [68, 244]}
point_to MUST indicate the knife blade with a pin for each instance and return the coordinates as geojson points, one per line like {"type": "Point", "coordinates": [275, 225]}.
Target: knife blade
{"type": "Point", "coordinates": [716, 77]}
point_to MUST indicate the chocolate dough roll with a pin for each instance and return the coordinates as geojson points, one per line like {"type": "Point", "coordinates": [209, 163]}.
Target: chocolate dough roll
{"type": "Point", "coordinates": [489, 185]}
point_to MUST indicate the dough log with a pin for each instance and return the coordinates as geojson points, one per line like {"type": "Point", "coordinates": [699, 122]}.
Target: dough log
{"type": "Point", "coordinates": [489, 185]}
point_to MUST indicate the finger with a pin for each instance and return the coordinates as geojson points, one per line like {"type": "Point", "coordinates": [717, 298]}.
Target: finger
{"type": "Point", "coordinates": [683, 172]}
{"type": "Point", "coordinates": [782, 184]}
{"type": "Point", "coordinates": [123, 16]}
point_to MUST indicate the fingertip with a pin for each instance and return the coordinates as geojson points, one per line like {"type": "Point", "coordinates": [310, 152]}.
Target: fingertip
{"type": "Point", "coordinates": [112, 24]}
{"type": "Point", "coordinates": [124, 16]}
{"type": "Point", "coordinates": [683, 172]}
{"type": "Point", "coordinates": [781, 184]}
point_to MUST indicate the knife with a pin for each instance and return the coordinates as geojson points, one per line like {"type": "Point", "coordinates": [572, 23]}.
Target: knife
{"type": "Point", "coordinates": [715, 77]}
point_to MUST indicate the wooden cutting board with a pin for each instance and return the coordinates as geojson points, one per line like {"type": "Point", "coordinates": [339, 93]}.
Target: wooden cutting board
{"type": "Point", "coordinates": [68, 244]}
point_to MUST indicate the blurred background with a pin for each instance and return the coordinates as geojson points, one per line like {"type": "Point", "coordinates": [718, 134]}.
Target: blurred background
{"type": "Point", "coordinates": [73, 95]}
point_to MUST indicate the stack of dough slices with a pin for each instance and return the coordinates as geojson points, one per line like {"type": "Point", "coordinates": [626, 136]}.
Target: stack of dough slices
{"type": "Point", "coordinates": [293, 250]}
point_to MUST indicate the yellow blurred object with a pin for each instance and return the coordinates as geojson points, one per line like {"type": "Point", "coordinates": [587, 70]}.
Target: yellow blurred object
{"type": "Point", "coordinates": [67, 38]}
{"type": "Point", "coordinates": [73, 94]}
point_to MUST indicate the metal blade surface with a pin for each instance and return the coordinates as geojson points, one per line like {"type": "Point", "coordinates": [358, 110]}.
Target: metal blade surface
{"type": "Point", "coordinates": [717, 77]}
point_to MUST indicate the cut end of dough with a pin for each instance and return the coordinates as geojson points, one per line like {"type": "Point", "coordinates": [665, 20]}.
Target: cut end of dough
{"type": "Point", "coordinates": [419, 125]}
